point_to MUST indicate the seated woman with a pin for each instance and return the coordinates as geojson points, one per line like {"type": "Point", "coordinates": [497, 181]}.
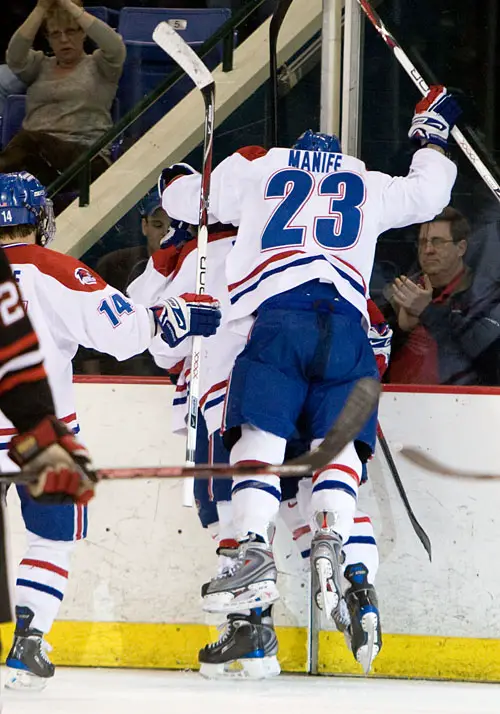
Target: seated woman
{"type": "Point", "coordinates": [69, 95]}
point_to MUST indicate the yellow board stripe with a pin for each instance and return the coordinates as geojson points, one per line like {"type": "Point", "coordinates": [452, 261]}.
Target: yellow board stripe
{"type": "Point", "coordinates": [175, 646]}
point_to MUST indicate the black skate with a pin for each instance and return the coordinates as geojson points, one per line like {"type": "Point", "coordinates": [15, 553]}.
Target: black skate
{"type": "Point", "coordinates": [364, 636]}
{"type": "Point", "coordinates": [247, 649]}
{"type": "Point", "coordinates": [27, 662]}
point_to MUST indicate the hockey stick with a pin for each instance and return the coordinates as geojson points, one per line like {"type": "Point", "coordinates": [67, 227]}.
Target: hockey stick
{"type": "Point", "coordinates": [429, 463]}
{"type": "Point", "coordinates": [421, 534]}
{"type": "Point", "coordinates": [423, 87]}
{"type": "Point", "coordinates": [173, 44]}
{"type": "Point", "coordinates": [359, 406]}
{"type": "Point", "coordinates": [274, 28]}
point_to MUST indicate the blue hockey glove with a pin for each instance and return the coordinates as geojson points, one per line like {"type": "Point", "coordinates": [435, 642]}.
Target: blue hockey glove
{"type": "Point", "coordinates": [434, 118]}
{"type": "Point", "coordinates": [190, 314]}
{"type": "Point", "coordinates": [177, 235]}
{"type": "Point", "coordinates": [168, 175]}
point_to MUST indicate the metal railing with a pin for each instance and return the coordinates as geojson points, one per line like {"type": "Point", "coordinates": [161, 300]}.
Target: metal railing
{"type": "Point", "coordinates": [81, 167]}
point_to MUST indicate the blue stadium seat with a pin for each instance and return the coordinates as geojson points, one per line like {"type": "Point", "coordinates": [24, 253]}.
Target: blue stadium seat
{"type": "Point", "coordinates": [147, 65]}
{"type": "Point", "coordinates": [13, 115]}
{"type": "Point", "coordinates": [106, 14]}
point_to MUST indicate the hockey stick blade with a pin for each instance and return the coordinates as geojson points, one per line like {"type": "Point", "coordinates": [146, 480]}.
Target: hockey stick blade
{"type": "Point", "coordinates": [421, 534]}
{"type": "Point", "coordinates": [357, 410]}
{"type": "Point", "coordinates": [432, 465]}
{"type": "Point", "coordinates": [172, 43]}
{"type": "Point", "coordinates": [360, 404]}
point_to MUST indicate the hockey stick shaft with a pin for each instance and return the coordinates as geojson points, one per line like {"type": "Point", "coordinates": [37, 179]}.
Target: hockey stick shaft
{"type": "Point", "coordinates": [359, 406]}
{"type": "Point", "coordinates": [274, 28]}
{"type": "Point", "coordinates": [421, 534]}
{"type": "Point", "coordinates": [432, 465]}
{"type": "Point", "coordinates": [173, 44]}
{"type": "Point", "coordinates": [423, 87]}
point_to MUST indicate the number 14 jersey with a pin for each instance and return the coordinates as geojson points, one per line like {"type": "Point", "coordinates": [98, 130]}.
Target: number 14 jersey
{"type": "Point", "coordinates": [305, 215]}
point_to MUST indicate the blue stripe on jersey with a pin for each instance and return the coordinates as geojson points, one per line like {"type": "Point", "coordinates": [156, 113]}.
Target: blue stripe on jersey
{"type": "Point", "coordinates": [180, 400]}
{"type": "Point", "coordinates": [215, 402]}
{"type": "Point", "coordinates": [258, 485]}
{"type": "Point", "coordinates": [367, 540]}
{"type": "Point", "coordinates": [294, 264]}
{"type": "Point", "coordinates": [334, 486]}
{"type": "Point", "coordinates": [41, 587]}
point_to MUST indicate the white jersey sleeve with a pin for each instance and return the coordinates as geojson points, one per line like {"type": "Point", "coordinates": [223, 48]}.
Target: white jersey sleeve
{"type": "Point", "coordinates": [417, 197]}
{"type": "Point", "coordinates": [227, 184]}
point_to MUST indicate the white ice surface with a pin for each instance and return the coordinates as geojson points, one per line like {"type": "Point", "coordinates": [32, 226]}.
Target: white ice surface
{"type": "Point", "coordinates": [75, 691]}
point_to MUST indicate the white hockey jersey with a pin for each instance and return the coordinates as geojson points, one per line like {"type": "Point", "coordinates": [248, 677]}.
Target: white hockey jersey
{"type": "Point", "coordinates": [70, 305]}
{"type": "Point", "coordinates": [306, 215]}
{"type": "Point", "coordinates": [219, 351]}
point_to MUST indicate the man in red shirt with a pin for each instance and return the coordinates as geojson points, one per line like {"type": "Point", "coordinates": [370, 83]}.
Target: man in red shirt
{"type": "Point", "coordinates": [448, 323]}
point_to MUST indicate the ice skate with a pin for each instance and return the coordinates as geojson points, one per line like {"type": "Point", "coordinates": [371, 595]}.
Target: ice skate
{"type": "Point", "coordinates": [326, 560]}
{"type": "Point", "coordinates": [28, 666]}
{"type": "Point", "coordinates": [248, 582]}
{"type": "Point", "coordinates": [364, 636]}
{"type": "Point", "coordinates": [247, 649]}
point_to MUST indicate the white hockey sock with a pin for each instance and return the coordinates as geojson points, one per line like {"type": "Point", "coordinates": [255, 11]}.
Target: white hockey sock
{"type": "Point", "coordinates": [362, 546]}
{"type": "Point", "coordinates": [256, 499]}
{"type": "Point", "coordinates": [299, 528]}
{"type": "Point", "coordinates": [335, 488]}
{"type": "Point", "coordinates": [42, 579]}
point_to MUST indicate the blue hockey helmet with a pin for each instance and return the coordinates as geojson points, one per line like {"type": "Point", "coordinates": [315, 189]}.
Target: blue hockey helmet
{"type": "Point", "coordinates": [315, 141]}
{"type": "Point", "coordinates": [23, 201]}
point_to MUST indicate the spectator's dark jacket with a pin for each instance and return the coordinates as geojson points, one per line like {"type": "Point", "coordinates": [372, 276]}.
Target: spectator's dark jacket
{"type": "Point", "coordinates": [459, 330]}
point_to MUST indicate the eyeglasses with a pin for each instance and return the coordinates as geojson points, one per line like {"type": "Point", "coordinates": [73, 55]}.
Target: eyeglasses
{"type": "Point", "coordinates": [435, 241]}
{"type": "Point", "coordinates": [70, 33]}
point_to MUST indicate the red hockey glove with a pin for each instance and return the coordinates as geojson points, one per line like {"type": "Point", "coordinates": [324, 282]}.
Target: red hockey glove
{"type": "Point", "coordinates": [63, 465]}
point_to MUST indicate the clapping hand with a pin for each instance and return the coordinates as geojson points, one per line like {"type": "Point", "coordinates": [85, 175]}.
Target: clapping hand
{"type": "Point", "coordinates": [411, 297]}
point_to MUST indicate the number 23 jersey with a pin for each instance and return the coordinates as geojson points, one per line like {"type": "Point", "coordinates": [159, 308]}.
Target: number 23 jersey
{"type": "Point", "coordinates": [305, 215]}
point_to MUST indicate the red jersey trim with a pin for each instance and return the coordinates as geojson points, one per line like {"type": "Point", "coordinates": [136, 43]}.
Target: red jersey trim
{"type": "Point", "coordinates": [17, 347]}
{"type": "Point", "coordinates": [67, 270]}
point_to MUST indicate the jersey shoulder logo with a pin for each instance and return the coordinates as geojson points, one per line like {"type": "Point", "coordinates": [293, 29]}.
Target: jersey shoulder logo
{"type": "Point", "coordinates": [85, 276]}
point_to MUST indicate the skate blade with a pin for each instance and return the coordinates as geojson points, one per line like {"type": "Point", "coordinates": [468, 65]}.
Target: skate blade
{"type": "Point", "coordinates": [367, 653]}
{"type": "Point", "coordinates": [21, 680]}
{"type": "Point", "coordinates": [246, 668]}
{"type": "Point", "coordinates": [328, 597]}
{"type": "Point", "coordinates": [256, 595]}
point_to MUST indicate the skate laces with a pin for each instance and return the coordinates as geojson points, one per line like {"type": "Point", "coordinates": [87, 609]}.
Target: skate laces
{"type": "Point", "coordinates": [231, 568]}
{"type": "Point", "coordinates": [45, 648]}
{"type": "Point", "coordinates": [226, 630]}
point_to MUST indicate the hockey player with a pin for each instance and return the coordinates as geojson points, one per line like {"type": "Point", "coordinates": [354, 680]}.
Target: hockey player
{"type": "Point", "coordinates": [69, 305]}
{"type": "Point", "coordinates": [62, 463]}
{"type": "Point", "coordinates": [250, 632]}
{"type": "Point", "coordinates": [308, 219]}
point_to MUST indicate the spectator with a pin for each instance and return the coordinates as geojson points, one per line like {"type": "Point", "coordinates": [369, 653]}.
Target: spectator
{"type": "Point", "coordinates": [448, 323]}
{"type": "Point", "coordinates": [69, 95]}
{"type": "Point", "coordinates": [122, 266]}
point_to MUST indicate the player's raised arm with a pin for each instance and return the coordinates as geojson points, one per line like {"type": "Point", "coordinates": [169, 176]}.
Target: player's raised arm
{"type": "Point", "coordinates": [179, 187]}
{"type": "Point", "coordinates": [426, 190]}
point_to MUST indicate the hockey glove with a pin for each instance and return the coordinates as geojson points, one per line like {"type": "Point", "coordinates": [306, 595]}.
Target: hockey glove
{"type": "Point", "coordinates": [380, 336]}
{"type": "Point", "coordinates": [65, 472]}
{"type": "Point", "coordinates": [168, 175]}
{"type": "Point", "coordinates": [177, 235]}
{"type": "Point", "coordinates": [435, 116]}
{"type": "Point", "coordinates": [190, 314]}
